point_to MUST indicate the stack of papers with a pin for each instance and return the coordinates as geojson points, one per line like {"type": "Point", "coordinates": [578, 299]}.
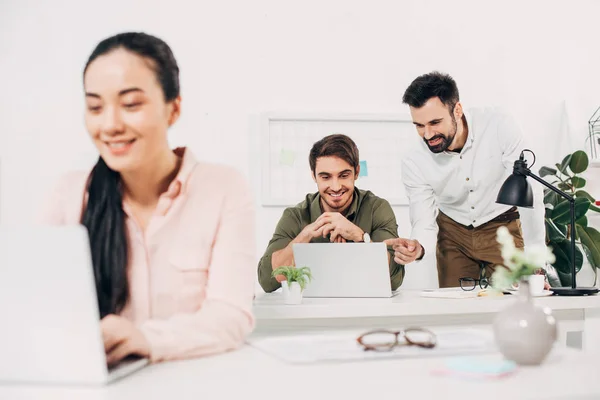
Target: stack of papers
{"type": "Point", "coordinates": [344, 347]}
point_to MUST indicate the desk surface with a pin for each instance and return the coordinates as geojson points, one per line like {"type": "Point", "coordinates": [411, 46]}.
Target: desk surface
{"type": "Point", "coordinates": [250, 374]}
{"type": "Point", "coordinates": [406, 303]}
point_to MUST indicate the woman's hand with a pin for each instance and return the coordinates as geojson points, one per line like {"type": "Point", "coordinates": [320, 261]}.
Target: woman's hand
{"type": "Point", "coordinates": [122, 338]}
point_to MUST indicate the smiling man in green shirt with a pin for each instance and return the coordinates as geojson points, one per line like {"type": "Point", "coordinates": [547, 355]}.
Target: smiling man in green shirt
{"type": "Point", "coordinates": [339, 212]}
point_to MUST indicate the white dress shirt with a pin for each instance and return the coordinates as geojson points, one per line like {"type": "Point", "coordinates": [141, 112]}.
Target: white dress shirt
{"type": "Point", "coordinates": [464, 185]}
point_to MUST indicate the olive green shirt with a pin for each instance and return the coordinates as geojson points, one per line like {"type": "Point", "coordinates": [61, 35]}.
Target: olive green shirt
{"type": "Point", "coordinates": [370, 213]}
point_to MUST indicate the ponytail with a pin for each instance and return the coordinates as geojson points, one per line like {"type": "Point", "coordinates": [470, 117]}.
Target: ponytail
{"type": "Point", "coordinates": [104, 219]}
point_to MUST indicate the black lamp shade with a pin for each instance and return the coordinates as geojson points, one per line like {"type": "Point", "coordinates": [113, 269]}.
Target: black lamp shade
{"type": "Point", "coordinates": [516, 191]}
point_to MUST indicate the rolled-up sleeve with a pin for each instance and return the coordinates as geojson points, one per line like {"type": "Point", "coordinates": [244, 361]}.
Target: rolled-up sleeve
{"type": "Point", "coordinates": [288, 227]}
{"type": "Point", "coordinates": [225, 318]}
{"type": "Point", "coordinates": [385, 227]}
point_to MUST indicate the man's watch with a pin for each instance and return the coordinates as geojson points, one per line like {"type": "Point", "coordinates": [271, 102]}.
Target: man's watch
{"type": "Point", "coordinates": [366, 238]}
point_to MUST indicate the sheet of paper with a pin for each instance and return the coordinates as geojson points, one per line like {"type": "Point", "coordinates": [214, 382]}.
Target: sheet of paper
{"type": "Point", "coordinates": [344, 347]}
{"type": "Point", "coordinates": [447, 294]}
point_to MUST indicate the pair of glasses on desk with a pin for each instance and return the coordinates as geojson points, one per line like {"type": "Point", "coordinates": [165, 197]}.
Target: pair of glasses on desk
{"type": "Point", "coordinates": [471, 283]}
{"type": "Point", "coordinates": [384, 340]}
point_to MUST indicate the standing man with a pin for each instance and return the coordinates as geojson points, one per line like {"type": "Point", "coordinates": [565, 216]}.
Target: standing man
{"type": "Point", "coordinates": [338, 212]}
{"type": "Point", "coordinates": [452, 180]}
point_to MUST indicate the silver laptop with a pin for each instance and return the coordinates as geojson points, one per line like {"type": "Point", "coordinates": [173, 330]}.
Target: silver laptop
{"type": "Point", "coordinates": [50, 329]}
{"type": "Point", "coordinates": [345, 269]}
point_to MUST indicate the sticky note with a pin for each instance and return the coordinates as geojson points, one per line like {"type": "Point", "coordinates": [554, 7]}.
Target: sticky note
{"type": "Point", "coordinates": [287, 157]}
{"type": "Point", "coordinates": [364, 169]}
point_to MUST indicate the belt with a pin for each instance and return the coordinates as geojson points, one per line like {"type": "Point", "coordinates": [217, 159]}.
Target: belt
{"type": "Point", "coordinates": [507, 216]}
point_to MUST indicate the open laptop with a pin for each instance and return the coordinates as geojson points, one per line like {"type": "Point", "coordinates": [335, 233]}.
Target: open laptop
{"type": "Point", "coordinates": [50, 328]}
{"type": "Point", "coordinates": [345, 269]}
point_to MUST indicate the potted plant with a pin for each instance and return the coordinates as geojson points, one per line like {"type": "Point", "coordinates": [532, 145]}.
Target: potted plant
{"type": "Point", "coordinates": [296, 281]}
{"type": "Point", "coordinates": [518, 264]}
{"type": "Point", "coordinates": [567, 177]}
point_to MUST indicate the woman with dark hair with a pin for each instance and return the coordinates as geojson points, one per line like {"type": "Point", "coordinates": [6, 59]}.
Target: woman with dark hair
{"type": "Point", "coordinates": [171, 238]}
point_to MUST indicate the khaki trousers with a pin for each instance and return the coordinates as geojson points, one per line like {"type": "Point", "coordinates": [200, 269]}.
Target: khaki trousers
{"type": "Point", "coordinates": [470, 252]}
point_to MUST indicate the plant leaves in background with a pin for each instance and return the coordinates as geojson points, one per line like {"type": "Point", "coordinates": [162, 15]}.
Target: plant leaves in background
{"type": "Point", "coordinates": [591, 238]}
{"type": "Point", "coordinates": [551, 197]}
{"type": "Point", "coordinates": [562, 215]}
{"type": "Point", "coordinates": [564, 186]}
{"type": "Point", "coordinates": [588, 255]}
{"type": "Point", "coordinates": [578, 182]}
{"type": "Point", "coordinates": [545, 171]}
{"type": "Point", "coordinates": [594, 208]}
{"type": "Point", "coordinates": [554, 233]}
{"type": "Point", "coordinates": [583, 221]}
{"type": "Point", "coordinates": [579, 162]}
{"type": "Point", "coordinates": [562, 167]}
{"type": "Point", "coordinates": [583, 193]}
{"type": "Point", "coordinates": [562, 251]}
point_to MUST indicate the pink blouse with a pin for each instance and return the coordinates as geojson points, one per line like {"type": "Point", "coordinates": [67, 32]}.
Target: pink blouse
{"type": "Point", "coordinates": [192, 271]}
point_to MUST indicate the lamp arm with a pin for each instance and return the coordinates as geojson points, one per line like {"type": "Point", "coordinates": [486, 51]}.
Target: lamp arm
{"type": "Point", "coordinates": [527, 172]}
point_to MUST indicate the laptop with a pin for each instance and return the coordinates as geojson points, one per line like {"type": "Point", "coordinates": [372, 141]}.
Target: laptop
{"type": "Point", "coordinates": [50, 329]}
{"type": "Point", "coordinates": [345, 269]}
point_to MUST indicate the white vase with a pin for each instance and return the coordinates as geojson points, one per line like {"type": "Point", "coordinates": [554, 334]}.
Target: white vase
{"type": "Point", "coordinates": [524, 332]}
{"type": "Point", "coordinates": [285, 289]}
{"type": "Point", "coordinates": [294, 294]}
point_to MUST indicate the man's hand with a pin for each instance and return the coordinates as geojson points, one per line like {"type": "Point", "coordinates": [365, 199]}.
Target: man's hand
{"type": "Point", "coordinates": [339, 228]}
{"type": "Point", "coordinates": [405, 250]}
{"type": "Point", "coordinates": [310, 232]}
{"type": "Point", "coordinates": [122, 338]}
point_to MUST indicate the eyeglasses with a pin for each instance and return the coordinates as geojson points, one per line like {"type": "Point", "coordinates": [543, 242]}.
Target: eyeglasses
{"type": "Point", "coordinates": [384, 340]}
{"type": "Point", "coordinates": [470, 283]}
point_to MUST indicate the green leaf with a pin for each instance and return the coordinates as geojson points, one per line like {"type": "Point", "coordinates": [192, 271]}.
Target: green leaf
{"type": "Point", "coordinates": [562, 252]}
{"type": "Point", "coordinates": [551, 197]}
{"type": "Point", "coordinates": [578, 182]}
{"type": "Point", "coordinates": [301, 275]}
{"type": "Point", "coordinates": [565, 279]}
{"type": "Point", "coordinates": [562, 215]}
{"type": "Point", "coordinates": [591, 238]}
{"type": "Point", "coordinates": [579, 162]}
{"type": "Point", "coordinates": [588, 255]}
{"type": "Point", "coordinates": [554, 233]}
{"type": "Point", "coordinates": [545, 171]}
{"type": "Point", "coordinates": [583, 221]}
{"type": "Point", "coordinates": [583, 193]}
{"type": "Point", "coordinates": [562, 167]}
{"type": "Point", "coordinates": [564, 186]}
{"type": "Point", "coordinates": [594, 208]}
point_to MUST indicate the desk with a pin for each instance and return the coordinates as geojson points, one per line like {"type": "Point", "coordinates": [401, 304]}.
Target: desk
{"type": "Point", "coordinates": [408, 308]}
{"type": "Point", "coordinates": [249, 374]}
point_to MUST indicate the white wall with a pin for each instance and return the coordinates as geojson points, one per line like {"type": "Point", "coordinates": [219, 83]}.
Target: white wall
{"type": "Point", "coordinates": [237, 59]}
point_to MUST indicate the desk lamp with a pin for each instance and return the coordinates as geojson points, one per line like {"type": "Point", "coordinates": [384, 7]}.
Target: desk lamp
{"type": "Point", "coordinates": [516, 191]}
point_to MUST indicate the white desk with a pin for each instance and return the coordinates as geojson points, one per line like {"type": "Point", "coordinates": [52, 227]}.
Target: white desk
{"type": "Point", "coordinates": [250, 374]}
{"type": "Point", "coordinates": [574, 314]}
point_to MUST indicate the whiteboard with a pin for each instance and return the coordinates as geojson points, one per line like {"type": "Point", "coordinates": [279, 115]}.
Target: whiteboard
{"type": "Point", "coordinates": [286, 140]}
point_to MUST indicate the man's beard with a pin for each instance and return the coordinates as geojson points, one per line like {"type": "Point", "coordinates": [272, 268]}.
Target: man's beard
{"type": "Point", "coordinates": [446, 140]}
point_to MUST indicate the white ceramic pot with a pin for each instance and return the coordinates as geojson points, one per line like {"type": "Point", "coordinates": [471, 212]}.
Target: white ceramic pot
{"type": "Point", "coordinates": [525, 333]}
{"type": "Point", "coordinates": [294, 293]}
{"type": "Point", "coordinates": [285, 289]}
